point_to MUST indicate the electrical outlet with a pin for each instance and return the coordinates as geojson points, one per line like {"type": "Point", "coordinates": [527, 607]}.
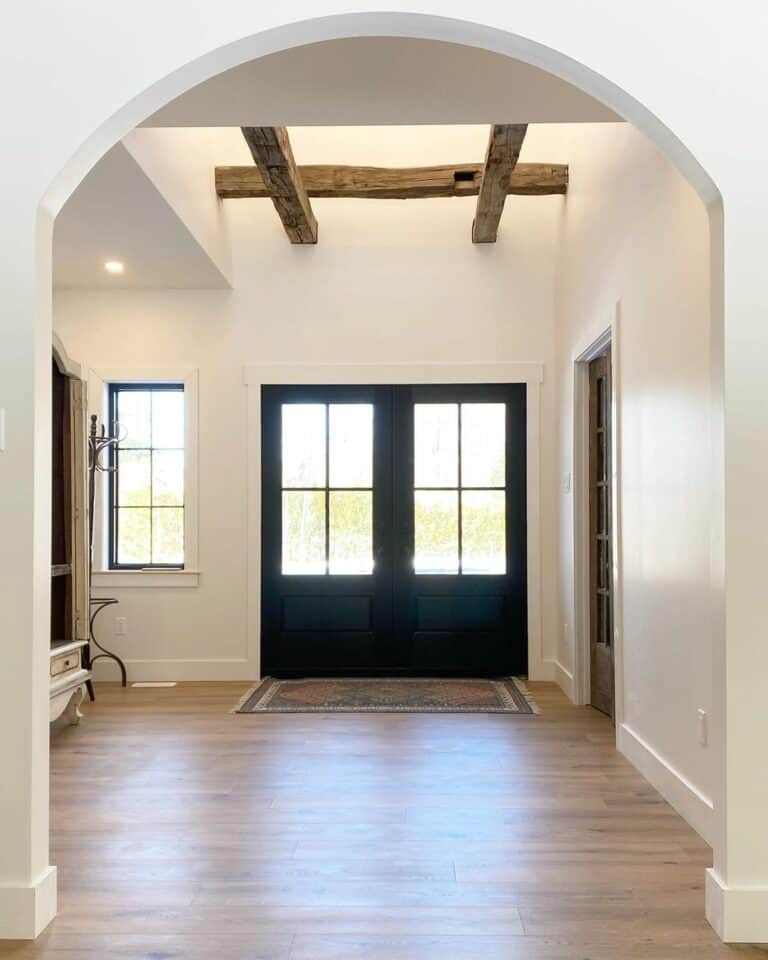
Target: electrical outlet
{"type": "Point", "coordinates": [702, 723]}
{"type": "Point", "coordinates": [121, 626]}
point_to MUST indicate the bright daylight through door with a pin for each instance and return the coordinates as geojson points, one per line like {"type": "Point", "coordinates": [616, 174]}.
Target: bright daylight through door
{"type": "Point", "coordinates": [459, 488]}
{"type": "Point", "coordinates": [459, 494]}
{"type": "Point", "coordinates": [327, 488]}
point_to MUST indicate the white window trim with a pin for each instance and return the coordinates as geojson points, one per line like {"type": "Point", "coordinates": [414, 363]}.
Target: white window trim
{"type": "Point", "coordinates": [98, 394]}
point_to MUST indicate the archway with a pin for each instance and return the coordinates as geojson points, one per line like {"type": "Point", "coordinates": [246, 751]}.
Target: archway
{"type": "Point", "coordinates": [427, 27]}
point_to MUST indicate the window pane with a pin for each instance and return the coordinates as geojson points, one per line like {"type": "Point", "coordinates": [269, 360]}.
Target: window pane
{"type": "Point", "coordinates": [351, 444]}
{"type": "Point", "coordinates": [133, 415]}
{"type": "Point", "coordinates": [133, 536]}
{"type": "Point", "coordinates": [483, 436]}
{"type": "Point", "coordinates": [436, 444]}
{"type": "Point", "coordinates": [134, 478]}
{"type": "Point", "coordinates": [168, 535]}
{"type": "Point", "coordinates": [303, 532]}
{"type": "Point", "coordinates": [436, 519]}
{"type": "Point", "coordinates": [351, 532]}
{"type": "Point", "coordinates": [168, 418]}
{"type": "Point", "coordinates": [303, 445]}
{"type": "Point", "coordinates": [168, 478]}
{"type": "Point", "coordinates": [483, 536]}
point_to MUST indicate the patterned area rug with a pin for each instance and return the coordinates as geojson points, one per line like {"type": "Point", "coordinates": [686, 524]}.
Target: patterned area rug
{"type": "Point", "coordinates": [388, 695]}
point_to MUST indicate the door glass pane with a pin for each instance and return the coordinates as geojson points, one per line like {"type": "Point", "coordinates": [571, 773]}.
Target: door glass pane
{"type": "Point", "coordinates": [602, 509]}
{"type": "Point", "coordinates": [436, 531]}
{"type": "Point", "coordinates": [350, 444]}
{"type": "Point", "coordinates": [603, 565]}
{"type": "Point", "coordinates": [601, 402]}
{"type": "Point", "coordinates": [483, 531]}
{"type": "Point", "coordinates": [604, 627]}
{"type": "Point", "coordinates": [168, 535]}
{"type": "Point", "coordinates": [168, 418]}
{"type": "Point", "coordinates": [168, 478]}
{"type": "Point", "coordinates": [134, 536]}
{"type": "Point", "coordinates": [133, 414]}
{"type": "Point", "coordinates": [303, 447]}
{"type": "Point", "coordinates": [351, 531]}
{"type": "Point", "coordinates": [134, 478]}
{"type": "Point", "coordinates": [303, 532]}
{"type": "Point", "coordinates": [483, 435]}
{"type": "Point", "coordinates": [436, 444]}
{"type": "Point", "coordinates": [602, 462]}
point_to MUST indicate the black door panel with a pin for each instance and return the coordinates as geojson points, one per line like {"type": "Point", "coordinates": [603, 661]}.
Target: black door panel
{"type": "Point", "coordinates": [447, 591]}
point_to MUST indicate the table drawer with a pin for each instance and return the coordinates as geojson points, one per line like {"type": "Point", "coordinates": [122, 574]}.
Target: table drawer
{"type": "Point", "coordinates": [65, 663]}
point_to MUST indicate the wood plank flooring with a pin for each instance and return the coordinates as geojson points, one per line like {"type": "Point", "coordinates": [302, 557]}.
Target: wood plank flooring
{"type": "Point", "coordinates": [181, 830]}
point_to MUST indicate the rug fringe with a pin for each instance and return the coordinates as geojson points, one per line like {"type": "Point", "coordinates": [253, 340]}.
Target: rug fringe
{"type": "Point", "coordinates": [522, 686]}
{"type": "Point", "coordinates": [245, 697]}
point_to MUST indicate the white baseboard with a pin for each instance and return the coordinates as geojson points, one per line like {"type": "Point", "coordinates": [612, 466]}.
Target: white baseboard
{"type": "Point", "coordinates": [679, 792]}
{"type": "Point", "coordinates": [542, 671]}
{"type": "Point", "coordinates": [26, 911]}
{"type": "Point", "coordinates": [737, 914]}
{"type": "Point", "coordinates": [190, 670]}
{"type": "Point", "coordinates": [563, 677]}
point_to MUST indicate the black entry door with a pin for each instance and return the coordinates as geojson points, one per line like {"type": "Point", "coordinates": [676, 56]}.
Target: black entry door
{"type": "Point", "coordinates": [393, 530]}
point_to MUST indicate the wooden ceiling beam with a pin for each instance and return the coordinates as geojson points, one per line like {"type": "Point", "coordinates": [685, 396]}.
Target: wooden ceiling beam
{"type": "Point", "coordinates": [504, 144]}
{"type": "Point", "coordinates": [396, 183]}
{"type": "Point", "coordinates": [273, 156]}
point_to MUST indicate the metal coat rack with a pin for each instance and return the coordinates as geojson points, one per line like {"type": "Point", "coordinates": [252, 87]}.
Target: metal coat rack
{"type": "Point", "coordinates": [99, 443]}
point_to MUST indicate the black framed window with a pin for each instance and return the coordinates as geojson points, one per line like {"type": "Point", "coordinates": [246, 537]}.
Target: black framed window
{"type": "Point", "coordinates": [146, 490]}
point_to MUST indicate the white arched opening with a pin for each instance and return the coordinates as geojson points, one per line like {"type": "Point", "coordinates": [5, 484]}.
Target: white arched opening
{"type": "Point", "coordinates": [406, 25]}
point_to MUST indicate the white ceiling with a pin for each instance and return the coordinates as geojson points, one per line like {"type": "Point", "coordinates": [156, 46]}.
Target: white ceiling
{"type": "Point", "coordinates": [117, 213]}
{"type": "Point", "coordinates": [150, 202]}
{"type": "Point", "coordinates": [381, 80]}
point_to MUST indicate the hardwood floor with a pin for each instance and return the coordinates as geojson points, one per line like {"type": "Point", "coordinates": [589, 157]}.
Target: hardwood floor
{"type": "Point", "coordinates": [181, 830]}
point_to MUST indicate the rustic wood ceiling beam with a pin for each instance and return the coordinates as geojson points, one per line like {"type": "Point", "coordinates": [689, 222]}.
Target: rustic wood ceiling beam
{"type": "Point", "coordinates": [504, 145]}
{"type": "Point", "coordinates": [396, 183]}
{"type": "Point", "coordinates": [273, 156]}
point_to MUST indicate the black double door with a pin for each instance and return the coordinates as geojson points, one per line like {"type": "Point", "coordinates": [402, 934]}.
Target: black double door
{"type": "Point", "coordinates": [393, 530]}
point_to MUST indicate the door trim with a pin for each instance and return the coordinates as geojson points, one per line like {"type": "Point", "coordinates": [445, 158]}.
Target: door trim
{"type": "Point", "coordinates": [605, 333]}
{"type": "Point", "coordinates": [531, 374]}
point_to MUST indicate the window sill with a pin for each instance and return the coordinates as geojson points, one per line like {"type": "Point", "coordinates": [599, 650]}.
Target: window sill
{"type": "Point", "coordinates": [146, 578]}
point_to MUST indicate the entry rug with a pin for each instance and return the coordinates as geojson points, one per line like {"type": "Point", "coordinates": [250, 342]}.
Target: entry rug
{"type": "Point", "coordinates": [388, 695]}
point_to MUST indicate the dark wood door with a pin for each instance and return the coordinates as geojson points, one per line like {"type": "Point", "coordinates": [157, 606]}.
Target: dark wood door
{"type": "Point", "coordinates": [601, 535]}
{"type": "Point", "coordinates": [393, 530]}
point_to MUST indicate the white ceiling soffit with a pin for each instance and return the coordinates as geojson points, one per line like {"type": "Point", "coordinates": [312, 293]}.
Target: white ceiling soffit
{"type": "Point", "coordinates": [381, 80]}
{"type": "Point", "coordinates": [117, 213]}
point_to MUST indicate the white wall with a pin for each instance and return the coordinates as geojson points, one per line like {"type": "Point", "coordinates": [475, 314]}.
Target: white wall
{"type": "Point", "coordinates": [634, 232]}
{"type": "Point", "coordinates": [388, 282]}
{"type": "Point", "coordinates": [179, 163]}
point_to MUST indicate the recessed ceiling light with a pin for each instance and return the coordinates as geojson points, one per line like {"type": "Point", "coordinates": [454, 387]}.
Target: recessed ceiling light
{"type": "Point", "coordinates": [114, 266]}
